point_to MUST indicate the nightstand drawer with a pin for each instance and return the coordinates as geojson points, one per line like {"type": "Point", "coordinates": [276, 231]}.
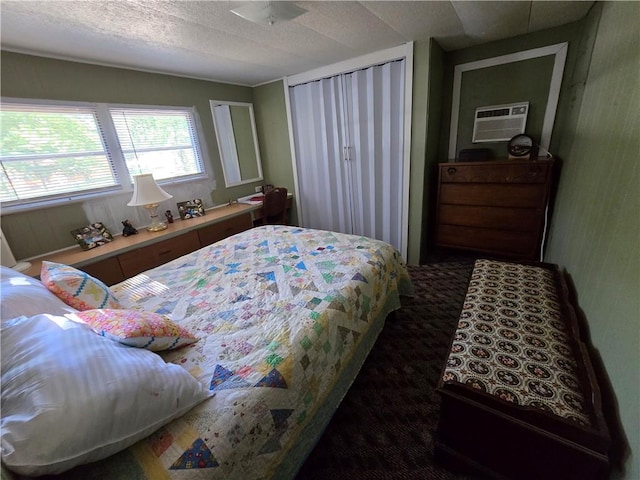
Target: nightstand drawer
{"type": "Point", "coordinates": [144, 258]}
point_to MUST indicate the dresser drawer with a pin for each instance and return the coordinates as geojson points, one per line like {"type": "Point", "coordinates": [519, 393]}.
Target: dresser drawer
{"type": "Point", "coordinates": [507, 172]}
{"type": "Point", "coordinates": [497, 207]}
{"type": "Point", "coordinates": [515, 219]}
{"type": "Point", "coordinates": [494, 195]}
{"type": "Point", "coordinates": [501, 242]}
{"type": "Point", "coordinates": [141, 259]}
{"type": "Point", "coordinates": [107, 270]}
{"type": "Point", "coordinates": [223, 229]}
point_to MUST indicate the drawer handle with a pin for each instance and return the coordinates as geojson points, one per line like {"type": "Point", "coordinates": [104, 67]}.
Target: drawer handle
{"type": "Point", "coordinates": [165, 252]}
{"type": "Point", "coordinates": [451, 170]}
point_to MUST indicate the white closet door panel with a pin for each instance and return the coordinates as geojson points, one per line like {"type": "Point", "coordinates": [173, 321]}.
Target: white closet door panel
{"type": "Point", "coordinates": [348, 134]}
{"type": "Point", "coordinates": [375, 114]}
{"type": "Point", "coordinates": [318, 137]}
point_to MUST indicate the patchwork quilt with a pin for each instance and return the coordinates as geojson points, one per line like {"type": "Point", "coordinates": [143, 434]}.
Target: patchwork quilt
{"type": "Point", "coordinates": [281, 313]}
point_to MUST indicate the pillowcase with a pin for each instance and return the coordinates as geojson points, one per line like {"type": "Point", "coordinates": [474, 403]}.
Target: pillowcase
{"type": "Point", "coordinates": [76, 288]}
{"type": "Point", "coordinates": [24, 295]}
{"type": "Point", "coordinates": [137, 329]}
{"type": "Point", "coordinates": [70, 396]}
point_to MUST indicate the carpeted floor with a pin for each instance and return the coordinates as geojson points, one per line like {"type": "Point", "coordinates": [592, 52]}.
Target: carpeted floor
{"type": "Point", "coordinates": [384, 427]}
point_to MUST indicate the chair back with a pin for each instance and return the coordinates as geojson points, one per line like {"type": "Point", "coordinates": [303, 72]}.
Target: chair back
{"type": "Point", "coordinates": [274, 206]}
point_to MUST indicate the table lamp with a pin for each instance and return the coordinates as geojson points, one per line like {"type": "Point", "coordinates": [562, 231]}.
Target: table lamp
{"type": "Point", "coordinates": [148, 194]}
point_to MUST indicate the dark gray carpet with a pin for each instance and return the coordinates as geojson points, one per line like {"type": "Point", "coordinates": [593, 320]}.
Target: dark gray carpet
{"type": "Point", "coordinates": [384, 427]}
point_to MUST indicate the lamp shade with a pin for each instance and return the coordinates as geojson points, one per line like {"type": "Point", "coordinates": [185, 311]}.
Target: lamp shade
{"type": "Point", "coordinates": [146, 191]}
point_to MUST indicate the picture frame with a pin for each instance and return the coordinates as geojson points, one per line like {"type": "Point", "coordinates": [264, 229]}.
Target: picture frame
{"type": "Point", "coordinates": [92, 236]}
{"type": "Point", "coordinates": [191, 209]}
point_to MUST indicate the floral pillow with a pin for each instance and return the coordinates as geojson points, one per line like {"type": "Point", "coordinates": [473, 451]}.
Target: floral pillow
{"type": "Point", "coordinates": [77, 288]}
{"type": "Point", "coordinates": [137, 329]}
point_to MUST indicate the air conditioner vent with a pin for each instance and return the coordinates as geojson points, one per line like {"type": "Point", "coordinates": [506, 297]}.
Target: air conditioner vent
{"type": "Point", "coordinates": [499, 123]}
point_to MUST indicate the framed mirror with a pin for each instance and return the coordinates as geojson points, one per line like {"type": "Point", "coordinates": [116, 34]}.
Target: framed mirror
{"type": "Point", "coordinates": [237, 142]}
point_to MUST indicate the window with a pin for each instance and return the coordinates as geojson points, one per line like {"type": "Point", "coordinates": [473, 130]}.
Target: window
{"type": "Point", "coordinates": [163, 142]}
{"type": "Point", "coordinates": [51, 152]}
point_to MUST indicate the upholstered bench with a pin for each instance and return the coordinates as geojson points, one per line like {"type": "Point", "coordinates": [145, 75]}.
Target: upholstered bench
{"type": "Point", "coordinates": [519, 395]}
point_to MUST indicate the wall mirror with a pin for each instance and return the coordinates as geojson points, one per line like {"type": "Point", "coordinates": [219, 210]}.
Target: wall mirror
{"type": "Point", "coordinates": [237, 142]}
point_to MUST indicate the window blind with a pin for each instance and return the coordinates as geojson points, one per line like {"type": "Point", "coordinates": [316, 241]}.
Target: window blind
{"type": "Point", "coordinates": [48, 151]}
{"type": "Point", "coordinates": [159, 141]}
{"type": "Point", "coordinates": [52, 152]}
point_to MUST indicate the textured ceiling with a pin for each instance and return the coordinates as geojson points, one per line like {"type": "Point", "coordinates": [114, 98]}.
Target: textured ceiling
{"type": "Point", "coordinates": [203, 39]}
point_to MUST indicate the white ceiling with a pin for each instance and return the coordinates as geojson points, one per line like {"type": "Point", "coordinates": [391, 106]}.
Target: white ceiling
{"type": "Point", "coordinates": [203, 39]}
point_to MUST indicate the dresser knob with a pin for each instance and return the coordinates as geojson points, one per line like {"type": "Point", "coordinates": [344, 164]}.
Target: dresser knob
{"type": "Point", "coordinates": [451, 170]}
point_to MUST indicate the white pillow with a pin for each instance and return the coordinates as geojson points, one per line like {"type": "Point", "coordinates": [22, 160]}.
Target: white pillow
{"type": "Point", "coordinates": [70, 396]}
{"type": "Point", "coordinates": [23, 295]}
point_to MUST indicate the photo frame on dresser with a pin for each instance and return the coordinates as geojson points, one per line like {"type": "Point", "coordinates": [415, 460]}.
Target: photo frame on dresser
{"type": "Point", "coordinates": [92, 236]}
{"type": "Point", "coordinates": [190, 209]}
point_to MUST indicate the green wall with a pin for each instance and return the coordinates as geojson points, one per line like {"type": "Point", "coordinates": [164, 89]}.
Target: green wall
{"type": "Point", "coordinates": [273, 134]}
{"type": "Point", "coordinates": [23, 76]}
{"type": "Point", "coordinates": [273, 137]}
{"type": "Point", "coordinates": [434, 127]}
{"type": "Point", "coordinates": [595, 233]}
{"type": "Point", "coordinates": [526, 80]}
{"type": "Point", "coordinates": [493, 88]}
{"type": "Point", "coordinates": [419, 170]}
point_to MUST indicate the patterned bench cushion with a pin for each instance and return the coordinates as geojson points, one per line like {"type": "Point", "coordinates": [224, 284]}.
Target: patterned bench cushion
{"type": "Point", "coordinates": [512, 342]}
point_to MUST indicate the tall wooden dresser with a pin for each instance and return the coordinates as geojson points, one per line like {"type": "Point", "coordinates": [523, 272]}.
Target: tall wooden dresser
{"type": "Point", "coordinates": [496, 207]}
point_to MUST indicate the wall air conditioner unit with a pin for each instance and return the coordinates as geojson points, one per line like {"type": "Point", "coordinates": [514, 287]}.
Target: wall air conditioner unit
{"type": "Point", "coordinates": [499, 123]}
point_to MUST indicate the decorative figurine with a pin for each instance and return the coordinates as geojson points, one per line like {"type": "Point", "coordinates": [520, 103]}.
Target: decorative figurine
{"type": "Point", "coordinates": [169, 216]}
{"type": "Point", "coordinates": [128, 229]}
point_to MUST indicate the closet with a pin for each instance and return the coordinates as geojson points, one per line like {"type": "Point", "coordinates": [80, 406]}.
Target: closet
{"type": "Point", "coordinates": [349, 139]}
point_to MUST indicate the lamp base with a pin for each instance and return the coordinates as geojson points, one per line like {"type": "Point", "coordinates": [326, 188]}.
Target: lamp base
{"type": "Point", "coordinates": [157, 228]}
{"type": "Point", "coordinates": [22, 266]}
{"type": "Point", "coordinates": [156, 225]}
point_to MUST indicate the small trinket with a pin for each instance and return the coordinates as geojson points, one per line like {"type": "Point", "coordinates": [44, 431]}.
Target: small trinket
{"type": "Point", "coordinates": [128, 229]}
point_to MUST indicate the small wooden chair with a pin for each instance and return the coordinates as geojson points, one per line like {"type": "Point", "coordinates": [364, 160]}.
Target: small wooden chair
{"type": "Point", "coordinates": [274, 207]}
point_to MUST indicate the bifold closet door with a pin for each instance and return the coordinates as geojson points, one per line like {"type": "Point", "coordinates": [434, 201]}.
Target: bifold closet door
{"type": "Point", "coordinates": [375, 119]}
{"type": "Point", "coordinates": [348, 134]}
{"type": "Point", "coordinates": [319, 137]}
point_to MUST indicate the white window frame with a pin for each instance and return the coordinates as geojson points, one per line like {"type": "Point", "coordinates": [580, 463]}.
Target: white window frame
{"type": "Point", "coordinates": [113, 148]}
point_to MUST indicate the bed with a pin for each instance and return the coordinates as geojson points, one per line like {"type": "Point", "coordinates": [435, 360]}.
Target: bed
{"type": "Point", "coordinates": [284, 317]}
